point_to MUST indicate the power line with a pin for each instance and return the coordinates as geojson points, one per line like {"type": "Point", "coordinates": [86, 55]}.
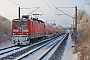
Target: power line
{"type": "Point", "coordinates": [83, 5]}
{"type": "Point", "coordinates": [66, 22]}
{"type": "Point", "coordinates": [88, 3]}
{"type": "Point", "coordinates": [56, 10]}
{"type": "Point", "coordinates": [54, 6]}
{"type": "Point", "coordinates": [30, 2]}
{"type": "Point", "coordinates": [49, 6]}
{"type": "Point", "coordinates": [64, 13]}
{"type": "Point", "coordinates": [65, 7]}
{"type": "Point", "coordinates": [24, 7]}
{"type": "Point", "coordinates": [15, 3]}
{"type": "Point", "coordinates": [53, 3]}
{"type": "Point", "coordinates": [39, 10]}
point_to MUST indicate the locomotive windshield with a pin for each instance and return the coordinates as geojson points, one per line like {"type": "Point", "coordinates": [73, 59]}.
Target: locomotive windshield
{"type": "Point", "coordinates": [24, 23]}
{"type": "Point", "coordinates": [16, 23]}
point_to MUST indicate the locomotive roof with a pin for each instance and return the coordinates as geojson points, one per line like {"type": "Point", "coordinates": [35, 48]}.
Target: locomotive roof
{"type": "Point", "coordinates": [33, 19]}
{"type": "Point", "coordinates": [39, 21]}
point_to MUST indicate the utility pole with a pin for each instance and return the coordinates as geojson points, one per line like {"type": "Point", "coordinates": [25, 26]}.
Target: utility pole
{"type": "Point", "coordinates": [19, 12]}
{"type": "Point", "coordinates": [75, 24]}
{"type": "Point", "coordinates": [73, 29]}
{"type": "Point", "coordinates": [75, 32]}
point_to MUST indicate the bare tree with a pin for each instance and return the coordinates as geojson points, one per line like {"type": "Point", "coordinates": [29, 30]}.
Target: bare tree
{"type": "Point", "coordinates": [5, 27]}
{"type": "Point", "coordinates": [83, 44]}
{"type": "Point", "coordinates": [81, 14]}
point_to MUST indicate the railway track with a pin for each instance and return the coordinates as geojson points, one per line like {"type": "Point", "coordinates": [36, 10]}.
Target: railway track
{"type": "Point", "coordinates": [8, 49]}
{"type": "Point", "coordinates": [12, 52]}
{"type": "Point", "coordinates": [41, 52]}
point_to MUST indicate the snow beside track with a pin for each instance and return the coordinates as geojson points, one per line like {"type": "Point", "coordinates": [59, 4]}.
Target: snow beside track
{"type": "Point", "coordinates": [6, 44]}
{"type": "Point", "coordinates": [68, 53]}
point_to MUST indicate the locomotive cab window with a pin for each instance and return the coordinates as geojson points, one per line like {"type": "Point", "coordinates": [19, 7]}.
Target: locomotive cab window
{"type": "Point", "coordinates": [24, 23]}
{"type": "Point", "coordinates": [16, 23]}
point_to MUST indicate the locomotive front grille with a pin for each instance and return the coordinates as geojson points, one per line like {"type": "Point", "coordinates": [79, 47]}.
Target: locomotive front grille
{"type": "Point", "coordinates": [25, 30]}
{"type": "Point", "coordinates": [20, 39]}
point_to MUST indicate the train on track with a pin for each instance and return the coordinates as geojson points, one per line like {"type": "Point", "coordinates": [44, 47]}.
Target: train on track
{"type": "Point", "coordinates": [27, 30]}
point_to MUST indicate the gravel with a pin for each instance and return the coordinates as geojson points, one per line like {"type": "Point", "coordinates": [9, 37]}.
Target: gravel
{"type": "Point", "coordinates": [59, 52]}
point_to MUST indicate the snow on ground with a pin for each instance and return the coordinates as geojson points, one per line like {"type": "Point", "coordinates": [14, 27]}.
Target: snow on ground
{"type": "Point", "coordinates": [6, 44]}
{"type": "Point", "coordinates": [68, 53]}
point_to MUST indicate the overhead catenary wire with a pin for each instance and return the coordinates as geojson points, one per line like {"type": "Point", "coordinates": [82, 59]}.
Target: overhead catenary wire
{"type": "Point", "coordinates": [39, 10]}
{"type": "Point", "coordinates": [55, 8]}
{"type": "Point", "coordinates": [22, 7]}
{"type": "Point", "coordinates": [88, 3]}
{"type": "Point", "coordinates": [66, 22]}
{"type": "Point", "coordinates": [65, 7]}
{"type": "Point", "coordinates": [34, 10]}
{"type": "Point", "coordinates": [49, 6]}
{"type": "Point", "coordinates": [15, 3]}
{"type": "Point", "coordinates": [64, 13]}
{"type": "Point", "coordinates": [30, 2]}
{"type": "Point", "coordinates": [83, 5]}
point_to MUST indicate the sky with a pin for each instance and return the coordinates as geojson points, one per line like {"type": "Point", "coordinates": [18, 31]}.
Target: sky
{"type": "Point", "coordinates": [9, 9]}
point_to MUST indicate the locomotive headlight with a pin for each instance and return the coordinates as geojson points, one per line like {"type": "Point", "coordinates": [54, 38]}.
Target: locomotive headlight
{"type": "Point", "coordinates": [27, 33]}
{"type": "Point", "coordinates": [13, 33]}
{"type": "Point", "coordinates": [20, 28]}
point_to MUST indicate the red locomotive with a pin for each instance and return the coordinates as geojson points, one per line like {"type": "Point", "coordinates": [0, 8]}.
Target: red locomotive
{"type": "Point", "coordinates": [25, 30]}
